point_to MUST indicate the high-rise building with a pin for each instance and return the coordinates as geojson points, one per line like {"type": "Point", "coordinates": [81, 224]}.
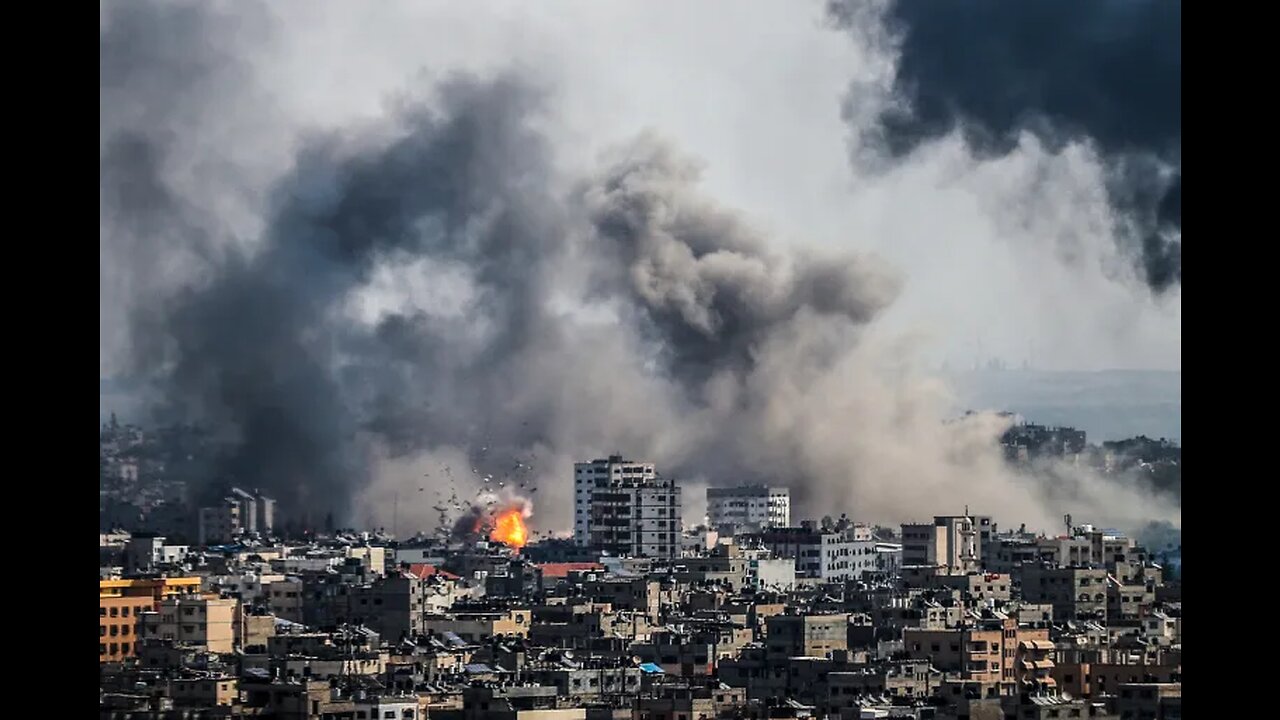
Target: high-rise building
{"type": "Point", "coordinates": [751, 507]}
{"type": "Point", "coordinates": [220, 523]}
{"type": "Point", "coordinates": [626, 508]}
{"type": "Point", "coordinates": [238, 513]}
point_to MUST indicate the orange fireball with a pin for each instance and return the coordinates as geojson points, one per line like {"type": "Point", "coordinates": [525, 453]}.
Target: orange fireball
{"type": "Point", "coordinates": [509, 529]}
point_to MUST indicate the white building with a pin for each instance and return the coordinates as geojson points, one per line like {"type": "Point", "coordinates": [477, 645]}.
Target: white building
{"type": "Point", "coordinates": [145, 554]}
{"type": "Point", "coordinates": [765, 572]}
{"type": "Point", "coordinates": [816, 554]}
{"type": "Point", "coordinates": [626, 508]}
{"type": "Point", "coordinates": [749, 507]}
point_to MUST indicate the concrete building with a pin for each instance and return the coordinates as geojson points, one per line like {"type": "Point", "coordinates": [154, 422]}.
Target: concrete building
{"type": "Point", "coordinates": [284, 598]}
{"type": "Point", "coordinates": [626, 509]}
{"type": "Point", "coordinates": [806, 635]}
{"type": "Point", "coordinates": [220, 523]}
{"type": "Point", "coordinates": [537, 702]}
{"type": "Point", "coordinates": [215, 691]}
{"type": "Point", "coordinates": [723, 568]}
{"type": "Point", "coordinates": [118, 626]}
{"type": "Point", "coordinates": [585, 477]}
{"type": "Point", "coordinates": [770, 573]}
{"type": "Point", "coordinates": [997, 651]}
{"type": "Point", "coordinates": [204, 622]}
{"type": "Point", "coordinates": [477, 627]}
{"type": "Point", "coordinates": [1149, 700]}
{"type": "Point", "coordinates": [1007, 553]}
{"type": "Point", "coordinates": [920, 543]}
{"type": "Point", "coordinates": [238, 513]}
{"type": "Point", "coordinates": [627, 593]}
{"type": "Point", "coordinates": [817, 554]}
{"type": "Point", "coordinates": [144, 554]}
{"type": "Point", "coordinates": [685, 702]}
{"type": "Point", "coordinates": [155, 589]}
{"type": "Point", "coordinates": [750, 507]}
{"type": "Point", "coordinates": [953, 543]}
{"type": "Point", "coordinates": [1074, 593]}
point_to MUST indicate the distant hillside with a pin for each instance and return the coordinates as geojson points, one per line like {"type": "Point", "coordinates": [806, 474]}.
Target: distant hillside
{"type": "Point", "coordinates": [1108, 404]}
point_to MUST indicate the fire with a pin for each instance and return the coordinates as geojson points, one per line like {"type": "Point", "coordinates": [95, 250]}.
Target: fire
{"type": "Point", "coordinates": [509, 528]}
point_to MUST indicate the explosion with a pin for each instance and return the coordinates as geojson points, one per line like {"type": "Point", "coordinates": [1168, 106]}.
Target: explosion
{"type": "Point", "coordinates": [509, 528]}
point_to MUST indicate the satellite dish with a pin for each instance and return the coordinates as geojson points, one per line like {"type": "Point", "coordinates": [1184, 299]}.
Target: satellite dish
{"type": "Point", "coordinates": [568, 654]}
{"type": "Point", "coordinates": [635, 659]}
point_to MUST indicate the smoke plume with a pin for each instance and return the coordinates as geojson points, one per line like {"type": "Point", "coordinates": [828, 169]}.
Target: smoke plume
{"type": "Point", "coordinates": [1104, 72]}
{"type": "Point", "coordinates": [423, 302]}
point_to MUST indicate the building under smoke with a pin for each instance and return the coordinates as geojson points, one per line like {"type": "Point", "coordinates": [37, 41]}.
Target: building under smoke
{"type": "Point", "coordinates": [1030, 441]}
{"type": "Point", "coordinates": [626, 508]}
{"type": "Point", "coordinates": [239, 513]}
{"type": "Point", "coordinates": [751, 507]}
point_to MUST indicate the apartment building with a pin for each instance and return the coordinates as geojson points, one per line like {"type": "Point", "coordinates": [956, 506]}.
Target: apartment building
{"type": "Point", "coordinates": [204, 622]}
{"type": "Point", "coordinates": [626, 508]}
{"type": "Point", "coordinates": [750, 507]}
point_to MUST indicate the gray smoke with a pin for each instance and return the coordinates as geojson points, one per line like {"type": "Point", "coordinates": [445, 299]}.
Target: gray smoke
{"type": "Point", "coordinates": [705, 288]}
{"type": "Point", "coordinates": [1108, 72]}
{"type": "Point", "coordinates": [419, 301]}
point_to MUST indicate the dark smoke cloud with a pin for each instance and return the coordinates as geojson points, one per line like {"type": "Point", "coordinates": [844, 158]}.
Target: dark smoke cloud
{"type": "Point", "coordinates": [1109, 71]}
{"type": "Point", "coordinates": [168, 73]}
{"type": "Point", "coordinates": [454, 187]}
{"type": "Point", "coordinates": [705, 286]}
{"type": "Point", "coordinates": [263, 347]}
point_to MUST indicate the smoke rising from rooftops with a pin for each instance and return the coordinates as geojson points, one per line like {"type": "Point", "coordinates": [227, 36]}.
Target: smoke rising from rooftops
{"type": "Point", "coordinates": [425, 296]}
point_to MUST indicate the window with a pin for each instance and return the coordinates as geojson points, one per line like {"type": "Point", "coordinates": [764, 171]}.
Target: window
{"type": "Point", "coordinates": [124, 647]}
{"type": "Point", "coordinates": [389, 714]}
{"type": "Point", "coordinates": [102, 649]}
{"type": "Point", "coordinates": [102, 611]}
{"type": "Point", "coordinates": [102, 630]}
{"type": "Point", "coordinates": [115, 612]}
{"type": "Point", "coordinates": [124, 612]}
